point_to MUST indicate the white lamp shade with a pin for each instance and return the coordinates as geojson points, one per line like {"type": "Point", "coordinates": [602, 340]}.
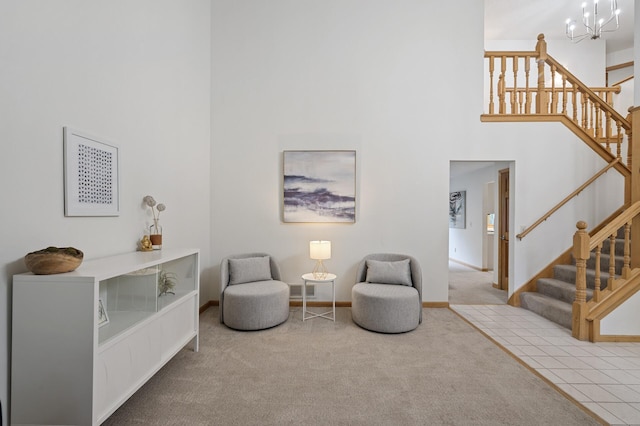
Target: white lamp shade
{"type": "Point", "coordinates": [320, 250]}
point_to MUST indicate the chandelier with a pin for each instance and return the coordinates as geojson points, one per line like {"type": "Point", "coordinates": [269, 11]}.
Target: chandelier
{"type": "Point", "coordinates": [594, 24]}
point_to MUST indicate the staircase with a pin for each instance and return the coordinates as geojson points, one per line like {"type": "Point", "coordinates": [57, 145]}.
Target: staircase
{"type": "Point", "coordinates": [555, 296]}
{"type": "Point", "coordinates": [532, 86]}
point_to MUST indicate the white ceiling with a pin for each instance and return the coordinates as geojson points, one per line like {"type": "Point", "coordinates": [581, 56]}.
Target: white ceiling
{"type": "Point", "coordinates": [525, 19]}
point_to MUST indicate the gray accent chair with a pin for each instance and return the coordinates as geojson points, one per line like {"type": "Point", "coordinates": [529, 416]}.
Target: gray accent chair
{"type": "Point", "coordinates": [252, 297]}
{"type": "Point", "coordinates": [384, 307]}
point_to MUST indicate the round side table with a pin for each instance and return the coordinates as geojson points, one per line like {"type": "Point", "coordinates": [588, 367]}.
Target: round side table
{"type": "Point", "coordinates": [309, 278]}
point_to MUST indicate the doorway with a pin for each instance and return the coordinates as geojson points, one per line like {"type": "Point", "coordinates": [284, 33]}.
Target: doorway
{"type": "Point", "coordinates": [473, 247]}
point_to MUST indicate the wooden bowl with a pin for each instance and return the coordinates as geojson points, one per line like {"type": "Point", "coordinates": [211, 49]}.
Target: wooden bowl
{"type": "Point", "coordinates": [53, 260]}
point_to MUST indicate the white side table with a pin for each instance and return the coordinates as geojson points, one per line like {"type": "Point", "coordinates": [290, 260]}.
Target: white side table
{"type": "Point", "coordinates": [309, 278]}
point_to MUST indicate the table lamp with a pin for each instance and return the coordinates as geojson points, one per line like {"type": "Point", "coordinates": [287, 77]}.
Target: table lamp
{"type": "Point", "coordinates": [319, 251]}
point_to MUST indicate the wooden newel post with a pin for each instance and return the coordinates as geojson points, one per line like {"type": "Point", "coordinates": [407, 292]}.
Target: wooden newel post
{"type": "Point", "coordinates": [635, 184]}
{"type": "Point", "coordinates": [581, 254]}
{"type": "Point", "coordinates": [541, 98]}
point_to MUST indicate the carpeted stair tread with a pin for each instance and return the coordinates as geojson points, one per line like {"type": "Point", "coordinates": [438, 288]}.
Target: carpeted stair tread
{"type": "Point", "coordinates": [558, 289]}
{"type": "Point", "coordinates": [568, 273]}
{"type": "Point", "coordinates": [604, 262]}
{"type": "Point", "coordinates": [619, 247]}
{"type": "Point", "coordinates": [554, 296]}
{"type": "Point", "coordinates": [552, 309]}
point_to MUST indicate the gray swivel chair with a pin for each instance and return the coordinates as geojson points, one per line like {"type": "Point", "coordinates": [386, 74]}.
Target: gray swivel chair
{"type": "Point", "coordinates": [252, 297]}
{"type": "Point", "coordinates": [388, 295]}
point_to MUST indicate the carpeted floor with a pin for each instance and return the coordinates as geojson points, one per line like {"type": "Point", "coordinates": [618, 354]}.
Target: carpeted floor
{"type": "Point", "coordinates": [319, 372]}
{"type": "Point", "coordinates": [469, 286]}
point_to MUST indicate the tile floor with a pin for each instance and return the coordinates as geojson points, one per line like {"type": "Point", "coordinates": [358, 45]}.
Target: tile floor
{"type": "Point", "coordinates": [603, 377]}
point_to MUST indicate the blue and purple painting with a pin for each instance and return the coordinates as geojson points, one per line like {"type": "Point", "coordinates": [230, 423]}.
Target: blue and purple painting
{"type": "Point", "coordinates": [319, 186]}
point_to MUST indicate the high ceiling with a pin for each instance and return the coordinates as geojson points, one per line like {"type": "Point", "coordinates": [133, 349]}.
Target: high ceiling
{"type": "Point", "coordinates": [525, 19]}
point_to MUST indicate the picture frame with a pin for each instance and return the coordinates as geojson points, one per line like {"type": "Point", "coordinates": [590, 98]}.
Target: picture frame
{"type": "Point", "coordinates": [319, 186]}
{"type": "Point", "coordinates": [457, 209]}
{"type": "Point", "coordinates": [91, 175]}
{"type": "Point", "coordinates": [491, 218]}
{"type": "Point", "coordinates": [103, 316]}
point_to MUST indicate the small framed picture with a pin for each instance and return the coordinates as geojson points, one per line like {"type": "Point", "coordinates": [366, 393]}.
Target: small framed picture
{"type": "Point", "coordinates": [103, 317]}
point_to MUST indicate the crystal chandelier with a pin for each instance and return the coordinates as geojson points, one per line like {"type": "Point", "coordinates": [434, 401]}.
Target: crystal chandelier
{"type": "Point", "coordinates": [594, 24]}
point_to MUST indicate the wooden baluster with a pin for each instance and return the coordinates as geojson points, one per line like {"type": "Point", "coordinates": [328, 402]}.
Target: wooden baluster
{"type": "Point", "coordinates": [597, 126]}
{"type": "Point", "coordinates": [626, 269]}
{"type": "Point", "coordinates": [521, 97]}
{"type": "Point", "coordinates": [554, 96]}
{"type": "Point", "coordinates": [515, 85]}
{"type": "Point", "coordinates": [491, 69]}
{"type": "Point", "coordinates": [607, 131]}
{"type": "Point", "coordinates": [584, 99]}
{"type": "Point", "coordinates": [579, 326]}
{"type": "Point", "coordinates": [596, 288]}
{"type": "Point", "coordinates": [527, 102]}
{"type": "Point", "coordinates": [632, 185]}
{"type": "Point", "coordinates": [612, 262]}
{"type": "Point", "coordinates": [564, 94]}
{"type": "Point", "coordinates": [575, 104]}
{"type": "Point", "coordinates": [590, 124]}
{"type": "Point", "coordinates": [629, 142]}
{"type": "Point", "coordinates": [609, 127]}
{"type": "Point", "coordinates": [593, 122]}
{"type": "Point", "coordinates": [548, 95]}
{"type": "Point", "coordinates": [630, 182]}
{"type": "Point", "coordinates": [502, 86]}
{"type": "Point", "coordinates": [619, 140]}
{"type": "Point", "coordinates": [541, 99]}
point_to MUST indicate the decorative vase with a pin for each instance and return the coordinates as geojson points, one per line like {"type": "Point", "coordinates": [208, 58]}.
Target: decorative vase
{"type": "Point", "coordinates": [155, 235]}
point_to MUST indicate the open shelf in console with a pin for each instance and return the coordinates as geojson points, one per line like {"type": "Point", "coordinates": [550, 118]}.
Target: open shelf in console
{"type": "Point", "coordinates": [134, 296]}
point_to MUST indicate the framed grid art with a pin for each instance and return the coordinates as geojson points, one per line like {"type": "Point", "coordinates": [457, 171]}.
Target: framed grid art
{"type": "Point", "coordinates": [90, 176]}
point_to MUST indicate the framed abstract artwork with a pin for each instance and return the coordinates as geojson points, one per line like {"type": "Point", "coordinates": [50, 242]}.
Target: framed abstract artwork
{"type": "Point", "coordinates": [90, 176]}
{"type": "Point", "coordinates": [457, 206]}
{"type": "Point", "coordinates": [319, 186]}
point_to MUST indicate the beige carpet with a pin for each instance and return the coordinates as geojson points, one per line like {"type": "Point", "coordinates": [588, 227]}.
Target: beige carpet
{"type": "Point", "coordinates": [318, 372]}
{"type": "Point", "coordinates": [469, 286]}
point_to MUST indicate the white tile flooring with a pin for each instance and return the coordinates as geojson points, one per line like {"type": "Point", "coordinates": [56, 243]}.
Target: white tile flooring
{"type": "Point", "coordinates": [603, 377]}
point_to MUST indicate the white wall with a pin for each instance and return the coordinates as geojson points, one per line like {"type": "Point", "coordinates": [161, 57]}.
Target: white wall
{"type": "Point", "coordinates": [338, 75]}
{"type": "Point", "coordinates": [624, 320]}
{"type": "Point", "coordinates": [334, 75]}
{"type": "Point", "coordinates": [135, 73]}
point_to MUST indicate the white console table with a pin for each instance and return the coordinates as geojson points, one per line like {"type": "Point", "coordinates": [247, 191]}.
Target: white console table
{"type": "Point", "coordinates": [69, 366]}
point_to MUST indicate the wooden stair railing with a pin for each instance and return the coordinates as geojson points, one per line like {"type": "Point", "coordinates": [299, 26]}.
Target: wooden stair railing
{"type": "Point", "coordinates": [588, 313]}
{"type": "Point", "coordinates": [552, 93]}
{"type": "Point", "coordinates": [558, 95]}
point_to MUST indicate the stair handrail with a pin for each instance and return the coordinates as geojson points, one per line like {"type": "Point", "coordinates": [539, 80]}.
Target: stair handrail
{"type": "Point", "coordinates": [568, 198]}
{"type": "Point", "coordinates": [624, 80]}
